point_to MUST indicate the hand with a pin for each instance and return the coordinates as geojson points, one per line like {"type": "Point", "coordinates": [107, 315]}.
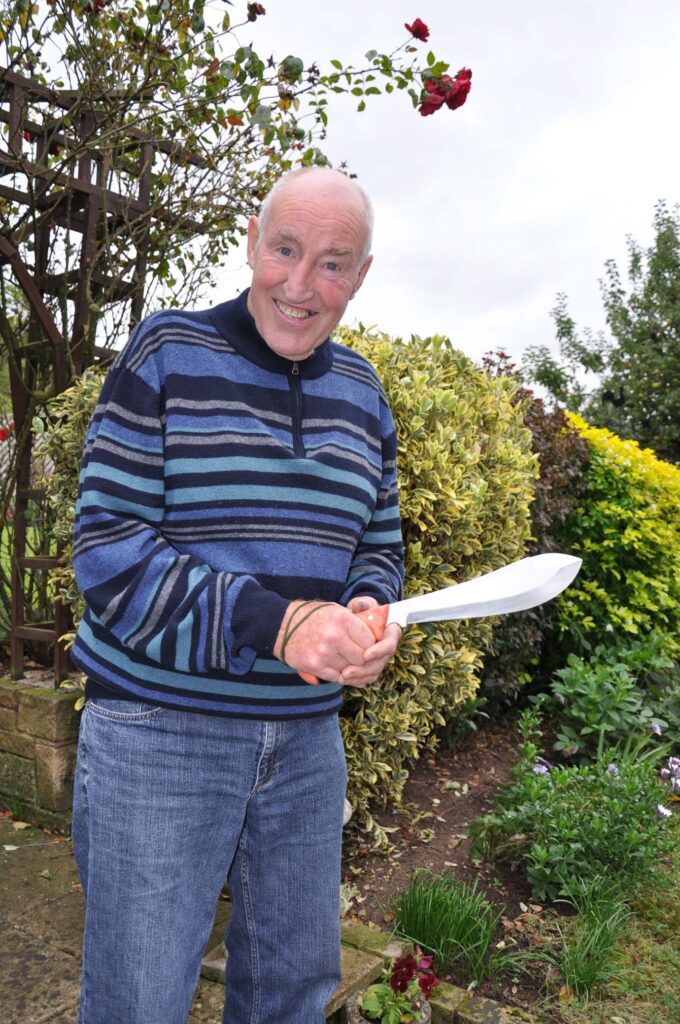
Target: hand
{"type": "Point", "coordinates": [323, 639]}
{"type": "Point", "coordinates": [378, 655]}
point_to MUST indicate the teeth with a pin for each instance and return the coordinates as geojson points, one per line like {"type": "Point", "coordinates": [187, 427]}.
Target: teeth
{"type": "Point", "coordinates": [298, 314]}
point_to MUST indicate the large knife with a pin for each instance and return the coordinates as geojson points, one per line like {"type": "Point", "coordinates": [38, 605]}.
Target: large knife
{"type": "Point", "coordinates": [512, 588]}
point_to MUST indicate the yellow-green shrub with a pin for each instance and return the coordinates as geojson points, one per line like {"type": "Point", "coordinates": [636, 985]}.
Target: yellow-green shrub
{"type": "Point", "coordinates": [627, 530]}
{"type": "Point", "coordinates": [466, 480]}
{"type": "Point", "coordinates": [70, 415]}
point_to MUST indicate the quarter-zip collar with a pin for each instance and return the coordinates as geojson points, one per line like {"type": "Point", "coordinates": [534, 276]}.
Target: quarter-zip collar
{"type": "Point", "coordinates": [235, 323]}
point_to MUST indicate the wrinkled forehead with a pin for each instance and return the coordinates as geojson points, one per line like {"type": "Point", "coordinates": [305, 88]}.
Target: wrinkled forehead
{"type": "Point", "coordinates": [333, 211]}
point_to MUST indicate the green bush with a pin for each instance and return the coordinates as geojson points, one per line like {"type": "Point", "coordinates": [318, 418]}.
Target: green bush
{"type": "Point", "coordinates": [567, 825]}
{"type": "Point", "coordinates": [69, 416]}
{"type": "Point", "coordinates": [618, 693]}
{"type": "Point", "coordinates": [466, 480]}
{"type": "Point", "coordinates": [466, 476]}
{"type": "Point", "coordinates": [523, 644]}
{"type": "Point", "coordinates": [627, 531]}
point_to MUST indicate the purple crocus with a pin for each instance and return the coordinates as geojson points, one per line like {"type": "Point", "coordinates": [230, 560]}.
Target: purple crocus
{"type": "Point", "coordinates": [613, 770]}
{"type": "Point", "coordinates": [656, 729]}
{"type": "Point", "coordinates": [663, 812]}
{"type": "Point", "coordinates": [540, 769]}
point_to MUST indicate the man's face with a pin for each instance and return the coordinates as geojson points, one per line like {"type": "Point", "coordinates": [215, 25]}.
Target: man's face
{"type": "Point", "coordinates": [306, 266]}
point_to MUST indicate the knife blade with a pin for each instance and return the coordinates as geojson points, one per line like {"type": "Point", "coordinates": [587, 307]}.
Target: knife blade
{"type": "Point", "coordinates": [512, 588]}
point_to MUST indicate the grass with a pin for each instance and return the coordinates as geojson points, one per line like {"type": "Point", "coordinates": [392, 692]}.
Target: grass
{"type": "Point", "coordinates": [457, 924]}
{"type": "Point", "coordinates": [643, 986]}
{"type": "Point", "coordinates": [586, 959]}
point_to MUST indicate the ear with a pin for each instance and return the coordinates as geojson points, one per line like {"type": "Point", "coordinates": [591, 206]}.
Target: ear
{"type": "Point", "coordinates": [361, 275]}
{"type": "Point", "coordinates": [253, 238]}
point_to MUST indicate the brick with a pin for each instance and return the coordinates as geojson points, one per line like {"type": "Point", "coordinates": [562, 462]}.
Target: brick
{"type": "Point", "coordinates": [371, 940]}
{"type": "Point", "coordinates": [359, 970]}
{"type": "Point", "coordinates": [48, 714]}
{"type": "Point", "coordinates": [13, 742]}
{"type": "Point", "coordinates": [54, 768]}
{"type": "Point", "coordinates": [17, 778]}
{"type": "Point", "coordinates": [486, 1011]}
{"type": "Point", "coordinates": [447, 1001]}
{"type": "Point", "coordinates": [8, 718]}
{"type": "Point", "coordinates": [9, 695]}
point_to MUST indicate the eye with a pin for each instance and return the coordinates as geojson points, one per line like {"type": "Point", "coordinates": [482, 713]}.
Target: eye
{"type": "Point", "coordinates": [285, 250]}
{"type": "Point", "coordinates": [332, 266]}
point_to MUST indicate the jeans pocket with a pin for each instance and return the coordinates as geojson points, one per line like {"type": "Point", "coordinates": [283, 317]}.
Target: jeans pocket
{"type": "Point", "coordinates": [122, 710]}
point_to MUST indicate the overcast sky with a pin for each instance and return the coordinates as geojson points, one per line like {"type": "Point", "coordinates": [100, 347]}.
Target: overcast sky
{"type": "Point", "coordinates": [483, 214]}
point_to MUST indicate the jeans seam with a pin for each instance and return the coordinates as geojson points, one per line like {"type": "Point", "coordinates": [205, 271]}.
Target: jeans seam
{"type": "Point", "coordinates": [117, 716]}
{"type": "Point", "coordinates": [250, 924]}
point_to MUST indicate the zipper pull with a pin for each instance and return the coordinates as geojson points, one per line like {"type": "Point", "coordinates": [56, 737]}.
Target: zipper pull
{"type": "Point", "coordinates": [295, 369]}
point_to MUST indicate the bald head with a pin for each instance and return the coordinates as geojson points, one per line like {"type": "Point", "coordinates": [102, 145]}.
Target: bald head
{"type": "Point", "coordinates": [308, 251]}
{"type": "Point", "coordinates": [337, 187]}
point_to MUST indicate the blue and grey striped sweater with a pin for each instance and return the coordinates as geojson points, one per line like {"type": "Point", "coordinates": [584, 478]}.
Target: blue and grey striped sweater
{"type": "Point", "coordinates": [219, 482]}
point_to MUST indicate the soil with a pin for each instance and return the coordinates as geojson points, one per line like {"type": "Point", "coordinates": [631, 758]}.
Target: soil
{"type": "Point", "coordinates": [446, 790]}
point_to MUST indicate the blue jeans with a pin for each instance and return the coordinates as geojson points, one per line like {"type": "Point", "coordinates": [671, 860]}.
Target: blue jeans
{"type": "Point", "coordinates": [167, 805]}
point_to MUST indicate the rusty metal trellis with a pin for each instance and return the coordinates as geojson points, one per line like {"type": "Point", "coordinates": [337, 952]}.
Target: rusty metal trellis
{"type": "Point", "coordinates": [52, 196]}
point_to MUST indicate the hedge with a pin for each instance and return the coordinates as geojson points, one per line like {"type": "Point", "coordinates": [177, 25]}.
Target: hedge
{"type": "Point", "coordinates": [627, 530]}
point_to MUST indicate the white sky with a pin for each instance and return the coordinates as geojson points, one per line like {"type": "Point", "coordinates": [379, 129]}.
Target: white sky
{"type": "Point", "coordinates": [483, 214]}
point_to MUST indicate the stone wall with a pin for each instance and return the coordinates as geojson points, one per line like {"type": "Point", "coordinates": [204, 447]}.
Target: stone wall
{"type": "Point", "coordinates": [38, 736]}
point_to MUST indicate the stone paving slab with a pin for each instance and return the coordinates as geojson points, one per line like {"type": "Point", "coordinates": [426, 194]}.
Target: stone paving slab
{"type": "Point", "coordinates": [486, 1011]}
{"type": "Point", "coordinates": [39, 983]}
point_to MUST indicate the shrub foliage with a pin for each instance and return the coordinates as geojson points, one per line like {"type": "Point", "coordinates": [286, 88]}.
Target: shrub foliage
{"type": "Point", "coordinates": [567, 826]}
{"type": "Point", "coordinates": [627, 531]}
{"type": "Point", "coordinates": [523, 645]}
{"type": "Point", "coordinates": [466, 477]}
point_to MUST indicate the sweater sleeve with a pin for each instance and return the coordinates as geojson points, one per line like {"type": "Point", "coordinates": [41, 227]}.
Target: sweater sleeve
{"type": "Point", "coordinates": [166, 605]}
{"type": "Point", "coordinates": [378, 565]}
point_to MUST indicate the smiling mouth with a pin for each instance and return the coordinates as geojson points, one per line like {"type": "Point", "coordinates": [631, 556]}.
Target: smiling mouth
{"type": "Point", "coordinates": [292, 312]}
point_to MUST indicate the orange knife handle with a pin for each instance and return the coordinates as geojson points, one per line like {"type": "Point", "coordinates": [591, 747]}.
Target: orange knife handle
{"type": "Point", "coordinates": [376, 619]}
{"type": "Point", "coordinates": [309, 678]}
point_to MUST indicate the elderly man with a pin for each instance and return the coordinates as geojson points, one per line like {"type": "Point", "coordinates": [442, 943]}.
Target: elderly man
{"type": "Point", "coordinates": [237, 506]}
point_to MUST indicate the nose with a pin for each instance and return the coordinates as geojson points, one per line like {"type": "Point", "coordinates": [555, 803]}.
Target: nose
{"type": "Point", "coordinates": [299, 282]}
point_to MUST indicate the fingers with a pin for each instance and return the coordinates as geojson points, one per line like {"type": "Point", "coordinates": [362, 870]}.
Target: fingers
{"type": "Point", "coordinates": [322, 639]}
{"type": "Point", "coordinates": [376, 659]}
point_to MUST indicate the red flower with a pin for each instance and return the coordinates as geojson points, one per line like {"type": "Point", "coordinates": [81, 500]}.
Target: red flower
{"type": "Point", "coordinates": [4, 434]}
{"type": "Point", "coordinates": [426, 983]}
{"type": "Point", "coordinates": [403, 971]}
{"type": "Point", "coordinates": [459, 89]}
{"type": "Point", "coordinates": [452, 91]}
{"type": "Point", "coordinates": [418, 30]}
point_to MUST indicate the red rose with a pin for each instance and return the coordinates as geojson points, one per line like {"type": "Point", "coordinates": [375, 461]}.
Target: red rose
{"type": "Point", "coordinates": [458, 93]}
{"type": "Point", "coordinates": [452, 91]}
{"type": "Point", "coordinates": [431, 103]}
{"type": "Point", "coordinates": [418, 30]}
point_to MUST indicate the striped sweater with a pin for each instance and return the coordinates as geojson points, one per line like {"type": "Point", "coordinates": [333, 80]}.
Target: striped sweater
{"type": "Point", "coordinates": [219, 482]}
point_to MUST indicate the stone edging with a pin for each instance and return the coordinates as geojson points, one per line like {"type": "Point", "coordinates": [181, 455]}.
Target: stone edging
{"type": "Point", "coordinates": [364, 951]}
{"type": "Point", "coordinates": [450, 1005]}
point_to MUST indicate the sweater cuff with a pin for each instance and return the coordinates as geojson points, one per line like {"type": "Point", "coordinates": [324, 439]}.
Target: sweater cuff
{"type": "Point", "coordinates": [365, 588]}
{"type": "Point", "coordinates": [257, 617]}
